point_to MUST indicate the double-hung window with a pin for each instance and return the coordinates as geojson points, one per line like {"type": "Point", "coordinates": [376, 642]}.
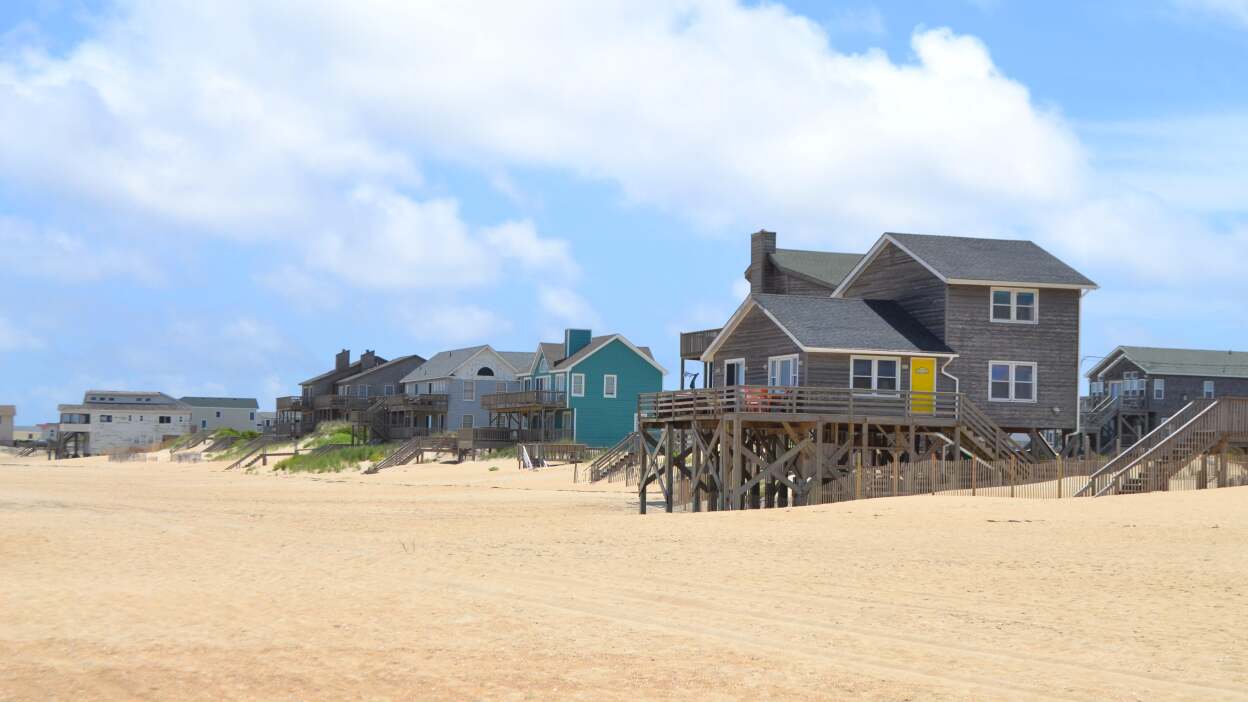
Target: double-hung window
{"type": "Point", "coordinates": [578, 385]}
{"type": "Point", "coordinates": [1096, 388]}
{"type": "Point", "coordinates": [1159, 389]}
{"type": "Point", "coordinates": [561, 382]}
{"type": "Point", "coordinates": [470, 391]}
{"type": "Point", "coordinates": [1208, 388]}
{"type": "Point", "coordinates": [874, 373]}
{"type": "Point", "coordinates": [1016, 305]}
{"type": "Point", "coordinates": [610, 386]}
{"type": "Point", "coordinates": [1012, 381]}
{"type": "Point", "coordinates": [782, 371]}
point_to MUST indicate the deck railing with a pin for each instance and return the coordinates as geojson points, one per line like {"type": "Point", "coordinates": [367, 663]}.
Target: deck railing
{"type": "Point", "coordinates": [524, 399]}
{"type": "Point", "coordinates": [292, 403]}
{"type": "Point", "coordinates": [714, 402]}
{"type": "Point", "coordinates": [343, 402]}
{"type": "Point", "coordinates": [427, 402]}
{"type": "Point", "coordinates": [693, 344]}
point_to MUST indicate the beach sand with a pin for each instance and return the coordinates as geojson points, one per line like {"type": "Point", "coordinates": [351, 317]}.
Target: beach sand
{"type": "Point", "coordinates": [433, 581]}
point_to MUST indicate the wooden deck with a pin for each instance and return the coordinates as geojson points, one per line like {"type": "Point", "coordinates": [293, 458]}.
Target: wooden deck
{"type": "Point", "coordinates": [693, 344]}
{"type": "Point", "coordinates": [795, 403]}
{"type": "Point", "coordinates": [525, 401]}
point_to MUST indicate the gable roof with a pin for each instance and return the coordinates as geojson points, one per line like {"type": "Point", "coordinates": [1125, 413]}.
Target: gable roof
{"type": "Point", "coordinates": [598, 342]}
{"type": "Point", "coordinates": [520, 361]}
{"type": "Point", "coordinates": [226, 402]}
{"type": "Point", "coordinates": [822, 267]}
{"type": "Point", "coordinates": [1162, 361]}
{"type": "Point", "coordinates": [962, 260]}
{"type": "Point", "coordinates": [380, 366]}
{"type": "Point", "coordinates": [443, 364]}
{"type": "Point", "coordinates": [842, 325]}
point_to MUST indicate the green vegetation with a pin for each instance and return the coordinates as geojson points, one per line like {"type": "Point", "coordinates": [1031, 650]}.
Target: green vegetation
{"type": "Point", "coordinates": [242, 435]}
{"type": "Point", "coordinates": [328, 433]}
{"type": "Point", "coordinates": [335, 460]}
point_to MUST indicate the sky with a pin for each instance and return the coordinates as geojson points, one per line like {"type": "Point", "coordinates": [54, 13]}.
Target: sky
{"type": "Point", "coordinates": [214, 198]}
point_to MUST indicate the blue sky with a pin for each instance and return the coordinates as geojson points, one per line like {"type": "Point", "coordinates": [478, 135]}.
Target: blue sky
{"type": "Point", "coordinates": [214, 198]}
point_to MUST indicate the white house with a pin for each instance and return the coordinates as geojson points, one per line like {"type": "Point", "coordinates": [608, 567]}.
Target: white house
{"type": "Point", "coordinates": [7, 413]}
{"type": "Point", "coordinates": [114, 419]}
{"type": "Point", "coordinates": [213, 413]}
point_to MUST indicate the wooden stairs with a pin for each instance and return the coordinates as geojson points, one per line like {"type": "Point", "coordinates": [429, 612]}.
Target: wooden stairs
{"type": "Point", "coordinates": [622, 455]}
{"type": "Point", "coordinates": [401, 455]}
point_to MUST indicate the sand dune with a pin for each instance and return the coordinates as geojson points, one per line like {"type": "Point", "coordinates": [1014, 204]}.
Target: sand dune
{"type": "Point", "coordinates": [159, 581]}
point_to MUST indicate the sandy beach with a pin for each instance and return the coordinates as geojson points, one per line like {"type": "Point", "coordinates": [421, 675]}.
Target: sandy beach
{"type": "Point", "coordinates": [435, 581]}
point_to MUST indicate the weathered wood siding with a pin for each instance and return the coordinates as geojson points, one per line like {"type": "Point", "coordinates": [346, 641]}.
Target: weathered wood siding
{"type": "Point", "coordinates": [1052, 344]}
{"type": "Point", "coordinates": [893, 275]}
{"type": "Point", "coordinates": [755, 339]}
{"type": "Point", "coordinates": [788, 284]}
{"type": "Point", "coordinates": [1180, 389]}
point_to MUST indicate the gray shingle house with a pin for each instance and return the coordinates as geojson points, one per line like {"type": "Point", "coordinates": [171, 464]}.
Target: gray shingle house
{"type": "Point", "coordinates": [463, 376]}
{"type": "Point", "coordinates": [212, 413]}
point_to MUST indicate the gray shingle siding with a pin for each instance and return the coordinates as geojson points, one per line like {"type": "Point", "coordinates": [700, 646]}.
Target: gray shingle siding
{"type": "Point", "coordinates": [755, 339]}
{"type": "Point", "coordinates": [1180, 389]}
{"type": "Point", "coordinates": [895, 276]}
{"type": "Point", "coordinates": [1052, 343]}
{"type": "Point", "coordinates": [378, 378]}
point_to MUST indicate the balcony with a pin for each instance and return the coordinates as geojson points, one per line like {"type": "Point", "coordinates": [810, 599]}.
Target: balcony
{"type": "Point", "coordinates": [693, 344]}
{"type": "Point", "coordinates": [525, 400]}
{"type": "Point", "coordinates": [341, 402]}
{"type": "Point", "coordinates": [428, 404]}
{"type": "Point", "coordinates": [497, 437]}
{"type": "Point", "coordinates": [293, 403]}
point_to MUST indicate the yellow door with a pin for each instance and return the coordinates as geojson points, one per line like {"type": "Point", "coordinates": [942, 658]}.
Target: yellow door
{"type": "Point", "coordinates": [922, 385]}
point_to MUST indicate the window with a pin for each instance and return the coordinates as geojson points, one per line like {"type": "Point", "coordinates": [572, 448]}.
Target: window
{"type": "Point", "coordinates": [218, 414]}
{"type": "Point", "coordinates": [609, 386]}
{"type": "Point", "coordinates": [734, 372]}
{"type": "Point", "coordinates": [164, 420]}
{"type": "Point", "coordinates": [561, 382]}
{"type": "Point", "coordinates": [388, 390]}
{"type": "Point", "coordinates": [782, 371]}
{"type": "Point", "coordinates": [1208, 389]}
{"type": "Point", "coordinates": [203, 424]}
{"type": "Point", "coordinates": [253, 416]}
{"type": "Point", "coordinates": [874, 373]}
{"type": "Point", "coordinates": [467, 421]}
{"type": "Point", "coordinates": [486, 371]}
{"type": "Point", "coordinates": [1016, 305]}
{"type": "Point", "coordinates": [1011, 381]}
{"type": "Point", "coordinates": [1159, 389]}
{"type": "Point", "coordinates": [106, 419]}
{"type": "Point", "coordinates": [1096, 387]}
{"type": "Point", "coordinates": [363, 390]}
{"type": "Point", "coordinates": [344, 389]}
{"type": "Point", "coordinates": [470, 391]}
{"type": "Point", "coordinates": [578, 385]}
{"type": "Point", "coordinates": [528, 383]}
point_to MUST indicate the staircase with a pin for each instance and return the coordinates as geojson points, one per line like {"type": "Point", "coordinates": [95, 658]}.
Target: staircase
{"type": "Point", "coordinates": [1195, 430]}
{"type": "Point", "coordinates": [401, 455]}
{"type": "Point", "coordinates": [622, 455]}
{"type": "Point", "coordinates": [378, 420]}
{"type": "Point", "coordinates": [252, 449]}
{"type": "Point", "coordinates": [29, 451]}
{"type": "Point", "coordinates": [986, 439]}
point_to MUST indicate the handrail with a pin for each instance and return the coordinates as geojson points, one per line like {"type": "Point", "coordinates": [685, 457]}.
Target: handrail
{"type": "Point", "coordinates": [612, 455]}
{"type": "Point", "coordinates": [524, 398]}
{"type": "Point", "coordinates": [800, 400]}
{"type": "Point", "coordinates": [1152, 438]}
{"type": "Point", "coordinates": [1163, 443]}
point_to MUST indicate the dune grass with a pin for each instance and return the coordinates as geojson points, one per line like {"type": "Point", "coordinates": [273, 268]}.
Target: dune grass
{"type": "Point", "coordinates": [336, 460]}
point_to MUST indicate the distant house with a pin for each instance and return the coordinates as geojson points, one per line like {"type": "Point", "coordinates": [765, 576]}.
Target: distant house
{"type": "Point", "coordinates": [380, 380]}
{"type": "Point", "coordinates": [115, 419]}
{"type": "Point", "coordinates": [25, 435]}
{"type": "Point", "coordinates": [463, 376]}
{"type": "Point", "coordinates": [319, 401]}
{"type": "Point", "coordinates": [7, 413]}
{"type": "Point", "coordinates": [265, 421]}
{"type": "Point", "coordinates": [585, 389]}
{"type": "Point", "coordinates": [213, 413]}
{"type": "Point", "coordinates": [1133, 389]}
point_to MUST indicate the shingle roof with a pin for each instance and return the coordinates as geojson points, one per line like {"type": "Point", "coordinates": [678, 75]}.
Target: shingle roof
{"type": "Point", "coordinates": [228, 402]}
{"type": "Point", "coordinates": [520, 360]}
{"type": "Point", "coordinates": [442, 364]}
{"type": "Point", "coordinates": [380, 366]}
{"type": "Point", "coordinates": [351, 369]}
{"type": "Point", "coordinates": [1206, 364]}
{"type": "Point", "coordinates": [823, 266]}
{"type": "Point", "coordinates": [552, 351]}
{"type": "Point", "coordinates": [850, 324]}
{"type": "Point", "coordinates": [990, 260]}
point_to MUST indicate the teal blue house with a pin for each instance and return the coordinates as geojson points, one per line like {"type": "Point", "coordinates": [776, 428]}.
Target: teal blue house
{"type": "Point", "coordinates": [596, 381]}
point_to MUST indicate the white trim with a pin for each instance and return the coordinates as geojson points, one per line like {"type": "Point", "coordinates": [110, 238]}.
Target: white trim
{"type": "Point", "coordinates": [469, 384]}
{"type": "Point", "coordinates": [795, 373]}
{"type": "Point", "coordinates": [875, 373]}
{"type": "Point", "coordinates": [572, 385]}
{"type": "Point", "coordinates": [1208, 389]}
{"type": "Point", "coordinates": [1035, 381]}
{"type": "Point", "coordinates": [615, 386]}
{"type": "Point", "coordinates": [1159, 388]}
{"type": "Point", "coordinates": [741, 363]}
{"type": "Point", "coordinates": [626, 342]}
{"type": "Point", "coordinates": [1014, 292]}
{"type": "Point", "coordinates": [1024, 284]}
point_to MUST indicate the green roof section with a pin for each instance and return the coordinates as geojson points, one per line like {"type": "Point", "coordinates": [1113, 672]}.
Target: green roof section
{"type": "Point", "coordinates": [823, 267]}
{"type": "Point", "coordinates": [222, 402]}
{"type": "Point", "coordinates": [1195, 362]}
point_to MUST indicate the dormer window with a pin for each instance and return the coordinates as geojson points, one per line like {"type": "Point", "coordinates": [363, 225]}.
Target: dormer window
{"type": "Point", "coordinates": [1015, 305]}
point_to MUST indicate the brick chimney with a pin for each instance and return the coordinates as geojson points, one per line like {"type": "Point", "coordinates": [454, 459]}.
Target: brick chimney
{"type": "Point", "coordinates": [342, 360]}
{"type": "Point", "coordinates": [368, 360]}
{"type": "Point", "coordinates": [762, 244]}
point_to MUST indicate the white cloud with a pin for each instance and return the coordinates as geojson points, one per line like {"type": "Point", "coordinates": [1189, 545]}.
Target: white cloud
{"type": "Point", "coordinates": [564, 305]}
{"type": "Point", "coordinates": [49, 253]}
{"type": "Point", "coordinates": [1236, 10]}
{"type": "Point", "coordinates": [454, 323]}
{"type": "Point", "coordinates": [14, 338]}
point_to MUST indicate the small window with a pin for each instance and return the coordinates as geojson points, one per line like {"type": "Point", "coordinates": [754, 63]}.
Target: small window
{"type": "Point", "coordinates": [218, 414]}
{"type": "Point", "coordinates": [470, 391]}
{"type": "Point", "coordinates": [106, 419]}
{"type": "Point", "coordinates": [486, 371]}
{"type": "Point", "coordinates": [467, 421]}
{"type": "Point", "coordinates": [609, 386]}
{"type": "Point", "coordinates": [578, 385]}
{"type": "Point", "coordinates": [734, 372]}
{"type": "Point", "coordinates": [252, 415]}
{"type": "Point", "coordinates": [1012, 381]}
{"type": "Point", "coordinates": [1159, 389]}
{"type": "Point", "coordinates": [203, 424]}
{"type": "Point", "coordinates": [1017, 305]}
{"type": "Point", "coordinates": [1208, 389]}
{"type": "Point", "coordinates": [875, 373]}
{"type": "Point", "coordinates": [165, 420]}
{"type": "Point", "coordinates": [782, 371]}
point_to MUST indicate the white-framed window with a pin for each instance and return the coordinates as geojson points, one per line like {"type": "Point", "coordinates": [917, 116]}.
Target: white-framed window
{"type": "Point", "coordinates": [1015, 305]}
{"type": "Point", "coordinates": [344, 389]}
{"type": "Point", "coordinates": [578, 385]}
{"type": "Point", "coordinates": [470, 391]}
{"type": "Point", "coordinates": [1096, 387]}
{"type": "Point", "coordinates": [253, 416]}
{"type": "Point", "coordinates": [466, 423]}
{"type": "Point", "coordinates": [1208, 388]}
{"type": "Point", "coordinates": [364, 390]}
{"type": "Point", "coordinates": [734, 372]}
{"type": "Point", "coordinates": [561, 382]}
{"type": "Point", "coordinates": [875, 373]}
{"type": "Point", "coordinates": [388, 390]}
{"type": "Point", "coordinates": [610, 386]}
{"type": "Point", "coordinates": [1159, 388]}
{"type": "Point", "coordinates": [782, 371]}
{"type": "Point", "coordinates": [541, 383]}
{"type": "Point", "coordinates": [1011, 381]}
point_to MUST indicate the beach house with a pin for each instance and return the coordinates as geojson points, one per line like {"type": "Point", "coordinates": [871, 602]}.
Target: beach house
{"type": "Point", "coordinates": [452, 383]}
{"type": "Point", "coordinates": [213, 413]}
{"type": "Point", "coordinates": [119, 419]}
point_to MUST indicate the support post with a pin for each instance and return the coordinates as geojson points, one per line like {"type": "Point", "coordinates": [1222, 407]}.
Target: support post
{"type": "Point", "coordinates": [669, 474]}
{"type": "Point", "coordinates": [1061, 476]}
